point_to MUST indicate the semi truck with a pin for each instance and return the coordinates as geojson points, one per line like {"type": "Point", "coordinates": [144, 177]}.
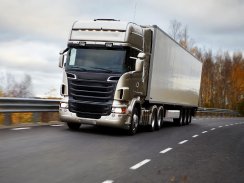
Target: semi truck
{"type": "Point", "coordinates": [124, 75]}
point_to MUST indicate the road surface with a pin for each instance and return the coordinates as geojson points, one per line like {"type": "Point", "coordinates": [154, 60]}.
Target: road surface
{"type": "Point", "coordinates": [208, 150]}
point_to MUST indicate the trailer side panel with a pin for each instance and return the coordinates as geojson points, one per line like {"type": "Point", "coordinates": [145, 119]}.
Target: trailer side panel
{"type": "Point", "coordinates": [175, 74]}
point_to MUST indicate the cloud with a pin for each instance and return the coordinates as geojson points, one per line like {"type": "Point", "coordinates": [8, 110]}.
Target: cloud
{"type": "Point", "coordinates": [28, 56]}
{"type": "Point", "coordinates": [208, 14]}
{"type": "Point", "coordinates": [33, 32]}
{"type": "Point", "coordinates": [35, 17]}
{"type": "Point", "coordinates": [37, 59]}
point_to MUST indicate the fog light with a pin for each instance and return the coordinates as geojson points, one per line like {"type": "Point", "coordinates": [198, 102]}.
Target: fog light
{"type": "Point", "coordinates": [64, 105]}
{"type": "Point", "coordinates": [120, 110]}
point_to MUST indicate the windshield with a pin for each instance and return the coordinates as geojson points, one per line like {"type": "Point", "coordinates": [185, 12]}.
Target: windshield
{"type": "Point", "coordinates": [97, 59]}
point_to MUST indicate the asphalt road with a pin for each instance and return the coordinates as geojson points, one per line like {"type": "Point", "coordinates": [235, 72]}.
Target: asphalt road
{"type": "Point", "coordinates": [208, 150]}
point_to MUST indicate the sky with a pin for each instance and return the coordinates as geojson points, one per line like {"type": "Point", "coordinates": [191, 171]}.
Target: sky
{"type": "Point", "coordinates": [32, 32]}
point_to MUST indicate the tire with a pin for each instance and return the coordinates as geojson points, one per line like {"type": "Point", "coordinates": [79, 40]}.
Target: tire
{"type": "Point", "coordinates": [134, 122]}
{"type": "Point", "coordinates": [190, 116]}
{"type": "Point", "coordinates": [186, 117]}
{"type": "Point", "coordinates": [160, 116]}
{"type": "Point", "coordinates": [183, 117]}
{"type": "Point", "coordinates": [153, 119]}
{"type": "Point", "coordinates": [177, 121]}
{"type": "Point", "coordinates": [73, 126]}
{"type": "Point", "coordinates": [181, 120]}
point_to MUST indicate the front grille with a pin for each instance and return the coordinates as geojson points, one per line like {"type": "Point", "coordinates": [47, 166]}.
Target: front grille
{"type": "Point", "coordinates": [90, 98]}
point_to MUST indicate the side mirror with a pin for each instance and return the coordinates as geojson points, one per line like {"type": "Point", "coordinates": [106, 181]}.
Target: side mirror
{"type": "Point", "coordinates": [61, 57]}
{"type": "Point", "coordinates": [139, 65]}
{"type": "Point", "coordinates": [61, 60]}
{"type": "Point", "coordinates": [139, 62]}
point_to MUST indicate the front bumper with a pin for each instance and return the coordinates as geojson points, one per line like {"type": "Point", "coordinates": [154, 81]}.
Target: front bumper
{"type": "Point", "coordinates": [113, 120]}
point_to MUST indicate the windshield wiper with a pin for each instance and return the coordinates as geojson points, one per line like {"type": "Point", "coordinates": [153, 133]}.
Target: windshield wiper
{"type": "Point", "coordinates": [99, 68]}
{"type": "Point", "coordinates": [76, 68]}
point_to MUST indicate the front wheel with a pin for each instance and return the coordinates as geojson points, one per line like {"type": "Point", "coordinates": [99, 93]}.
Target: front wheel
{"type": "Point", "coordinates": [73, 126]}
{"type": "Point", "coordinates": [134, 122]}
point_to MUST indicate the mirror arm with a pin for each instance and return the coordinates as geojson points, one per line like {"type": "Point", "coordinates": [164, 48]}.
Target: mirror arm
{"type": "Point", "coordinates": [62, 52]}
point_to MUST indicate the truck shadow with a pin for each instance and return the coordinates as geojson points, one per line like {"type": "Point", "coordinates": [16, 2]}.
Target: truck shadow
{"type": "Point", "coordinates": [109, 131]}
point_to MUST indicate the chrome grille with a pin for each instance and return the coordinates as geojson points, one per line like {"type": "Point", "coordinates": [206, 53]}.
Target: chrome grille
{"type": "Point", "coordinates": [90, 98]}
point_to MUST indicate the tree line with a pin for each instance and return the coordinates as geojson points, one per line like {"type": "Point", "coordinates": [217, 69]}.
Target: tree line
{"type": "Point", "coordinates": [222, 82]}
{"type": "Point", "coordinates": [10, 87]}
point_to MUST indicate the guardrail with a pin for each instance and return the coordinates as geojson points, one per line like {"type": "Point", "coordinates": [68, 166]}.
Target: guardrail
{"type": "Point", "coordinates": [45, 109]}
{"type": "Point", "coordinates": [11, 105]}
{"type": "Point", "coordinates": [36, 110]}
{"type": "Point", "coordinates": [219, 112]}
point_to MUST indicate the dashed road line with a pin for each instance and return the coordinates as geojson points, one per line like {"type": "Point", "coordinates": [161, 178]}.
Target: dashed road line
{"type": "Point", "coordinates": [182, 142]}
{"type": "Point", "coordinates": [108, 181]}
{"type": "Point", "coordinates": [138, 165]}
{"type": "Point", "coordinates": [23, 128]}
{"type": "Point", "coordinates": [57, 125]}
{"type": "Point", "coordinates": [166, 150]}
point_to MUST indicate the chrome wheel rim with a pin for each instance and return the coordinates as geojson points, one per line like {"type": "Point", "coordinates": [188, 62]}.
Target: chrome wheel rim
{"type": "Point", "coordinates": [153, 122]}
{"type": "Point", "coordinates": [159, 119]}
{"type": "Point", "coordinates": [135, 122]}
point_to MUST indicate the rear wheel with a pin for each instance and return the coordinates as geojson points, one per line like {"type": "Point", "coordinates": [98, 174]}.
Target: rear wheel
{"type": "Point", "coordinates": [73, 126]}
{"type": "Point", "coordinates": [153, 119]}
{"type": "Point", "coordinates": [134, 122]}
{"type": "Point", "coordinates": [160, 116]}
{"type": "Point", "coordinates": [181, 120]}
{"type": "Point", "coordinates": [188, 116]}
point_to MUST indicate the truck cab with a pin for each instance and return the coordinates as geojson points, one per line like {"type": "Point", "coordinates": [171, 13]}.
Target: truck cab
{"type": "Point", "coordinates": [103, 72]}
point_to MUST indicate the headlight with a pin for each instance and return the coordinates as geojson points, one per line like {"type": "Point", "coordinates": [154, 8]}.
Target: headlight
{"type": "Point", "coordinates": [64, 105]}
{"type": "Point", "coordinates": [120, 110]}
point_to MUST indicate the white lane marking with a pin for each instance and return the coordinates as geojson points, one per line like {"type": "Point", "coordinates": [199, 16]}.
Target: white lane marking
{"type": "Point", "coordinates": [57, 125]}
{"type": "Point", "coordinates": [182, 142]}
{"type": "Point", "coordinates": [194, 136]}
{"type": "Point", "coordinates": [213, 129]}
{"type": "Point", "coordinates": [204, 131]}
{"type": "Point", "coordinates": [166, 150]}
{"type": "Point", "coordinates": [226, 125]}
{"type": "Point", "coordinates": [220, 126]}
{"type": "Point", "coordinates": [138, 165]}
{"type": "Point", "coordinates": [231, 124]}
{"type": "Point", "coordinates": [108, 181]}
{"type": "Point", "coordinates": [23, 128]}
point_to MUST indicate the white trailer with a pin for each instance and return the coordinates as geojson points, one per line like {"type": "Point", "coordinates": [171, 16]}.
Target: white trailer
{"type": "Point", "coordinates": [123, 75]}
{"type": "Point", "coordinates": [174, 75]}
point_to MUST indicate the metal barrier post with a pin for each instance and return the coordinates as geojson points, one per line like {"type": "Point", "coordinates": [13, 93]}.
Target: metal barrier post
{"type": "Point", "coordinates": [7, 119]}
